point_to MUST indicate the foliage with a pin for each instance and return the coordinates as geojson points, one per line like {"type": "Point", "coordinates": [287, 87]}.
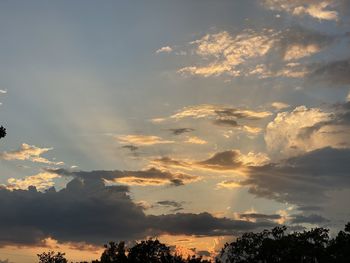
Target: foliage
{"type": "Point", "coordinates": [279, 246]}
{"type": "Point", "coordinates": [52, 257]}
{"type": "Point", "coordinates": [148, 251]}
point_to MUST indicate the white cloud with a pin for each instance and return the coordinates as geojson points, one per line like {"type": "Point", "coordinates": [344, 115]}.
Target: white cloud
{"type": "Point", "coordinates": [248, 53]}
{"type": "Point", "coordinates": [227, 52]}
{"type": "Point", "coordinates": [303, 130]}
{"type": "Point", "coordinates": [209, 110]}
{"type": "Point", "coordinates": [3, 91]}
{"type": "Point", "coordinates": [228, 184]}
{"type": "Point", "coordinates": [166, 49]}
{"type": "Point", "coordinates": [280, 105]}
{"type": "Point", "coordinates": [41, 181]}
{"type": "Point", "coordinates": [315, 8]}
{"type": "Point", "coordinates": [142, 140]}
{"type": "Point", "coordinates": [196, 140]}
{"type": "Point", "coordinates": [30, 153]}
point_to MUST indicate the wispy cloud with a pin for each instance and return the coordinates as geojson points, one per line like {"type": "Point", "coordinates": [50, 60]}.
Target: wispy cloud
{"type": "Point", "coordinates": [165, 49]}
{"type": "Point", "coordinates": [142, 140]}
{"type": "Point", "coordinates": [247, 53]}
{"type": "Point", "coordinates": [279, 105]}
{"type": "Point", "coordinates": [41, 181]}
{"type": "Point", "coordinates": [29, 152]}
{"type": "Point", "coordinates": [222, 161]}
{"type": "Point", "coordinates": [149, 177]}
{"type": "Point", "coordinates": [195, 140]}
{"type": "Point", "coordinates": [319, 9]}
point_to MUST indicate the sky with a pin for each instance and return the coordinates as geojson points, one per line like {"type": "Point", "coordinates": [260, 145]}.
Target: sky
{"type": "Point", "coordinates": [188, 121]}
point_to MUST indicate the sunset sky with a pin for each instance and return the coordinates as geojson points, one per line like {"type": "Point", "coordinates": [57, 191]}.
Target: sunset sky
{"type": "Point", "coordinates": [190, 121]}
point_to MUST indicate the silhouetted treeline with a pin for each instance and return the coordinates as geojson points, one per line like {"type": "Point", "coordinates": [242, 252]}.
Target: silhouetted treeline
{"type": "Point", "coordinates": [269, 246]}
{"type": "Point", "coordinates": [314, 246]}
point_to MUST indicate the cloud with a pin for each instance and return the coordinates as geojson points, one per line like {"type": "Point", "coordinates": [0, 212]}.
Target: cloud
{"type": "Point", "coordinates": [41, 181]}
{"type": "Point", "coordinates": [142, 140]}
{"type": "Point", "coordinates": [228, 184]}
{"type": "Point", "coordinates": [249, 53]}
{"type": "Point", "coordinates": [335, 73]}
{"type": "Point", "coordinates": [195, 140]}
{"type": "Point", "coordinates": [165, 49]}
{"type": "Point", "coordinates": [179, 131]}
{"type": "Point", "coordinates": [303, 180]}
{"type": "Point", "coordinates": [210, 110]}
{"type": "Point", "coordinates": [149, 177]}
{"type": "Point", "coordinates": [203, 224]}
{"type": "Point", "coordinates": [227, 52]}
{"type": "Point", "coordinates": [228, 160]}
{"type": "Point", "coordinates": [306, 129]}
{"type": "Point", "coordinates": [87, 210]}
{"type": "Point", "coordinates": [29, 152]}
{"type": "Point", "coordinates": [223, 115]}
{"type": "Point", "coordinates": [130, 147]}
{"type": "Point", "coordinates": [309, 219]}
{"type": "Point", "coordinates": [3, 91]}
{"type": "Point", "coordinates": [319, 9]}
{"type": "Point", "coordinates": [221, 161]}
{"type": "Point", "coordinates": [176, 206]}
{"type": "Point", "coordinates": [279, 105]}
{"type": "Point", "coordinates": [257, 216]}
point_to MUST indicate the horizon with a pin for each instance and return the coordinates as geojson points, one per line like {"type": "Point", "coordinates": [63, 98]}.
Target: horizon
{"type": "Point", "coordinates": [189, 121]}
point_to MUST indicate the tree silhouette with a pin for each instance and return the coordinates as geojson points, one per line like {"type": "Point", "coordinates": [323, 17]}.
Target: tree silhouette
{"type": "Point", "coordinates": [114, 253]}
{"type": "Point", "coordinates": [52, 257]}
{"type": "Point", "coordinates": [2, 132]}
{"type": "Point", "coordinates": [339, 248]}
{"type": "Point", "coordinates": [150, 251]}
{"type": "Point", "coordinates": [313, 246]}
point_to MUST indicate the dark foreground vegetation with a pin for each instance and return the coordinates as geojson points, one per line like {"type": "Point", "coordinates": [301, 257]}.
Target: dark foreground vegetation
{"type": "Point", "coordinates": [268, 246]}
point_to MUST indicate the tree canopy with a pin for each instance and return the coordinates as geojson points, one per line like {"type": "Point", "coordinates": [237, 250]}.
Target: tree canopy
{"type": "Point", "coordinates": [276, 245]}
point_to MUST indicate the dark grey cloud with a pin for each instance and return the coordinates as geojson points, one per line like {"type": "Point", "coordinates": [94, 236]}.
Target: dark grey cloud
{"type": "Point", "coordinates": [203, 224]}
{"type": "Point", "coordinates": [309, 219]}
{"type": "Point", "coordinates": [179, 131]}
{"type": "Point", "coordinates": [170, 203]}
{"type": "Point", "coordinates": [87, 210]}
{"type": "Point", "coordinates": [303, 180]}
{"type": "Point", "coordinates": [307, 208]}
{"type": "Point", "coordinates": [302, 37]}
{"type": "Point", "coordinates": [220, 161]}
{"type": "Point", "coordinates": [226, 122]}
{"type": "Point", "coordinates": [130, 147]}
{"type": "Point", "coordinates": [335, 73]}
{"type": "Point", "coordinates": [226, 160]}
{"type": "Point", "coordinates": [151, 176]}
